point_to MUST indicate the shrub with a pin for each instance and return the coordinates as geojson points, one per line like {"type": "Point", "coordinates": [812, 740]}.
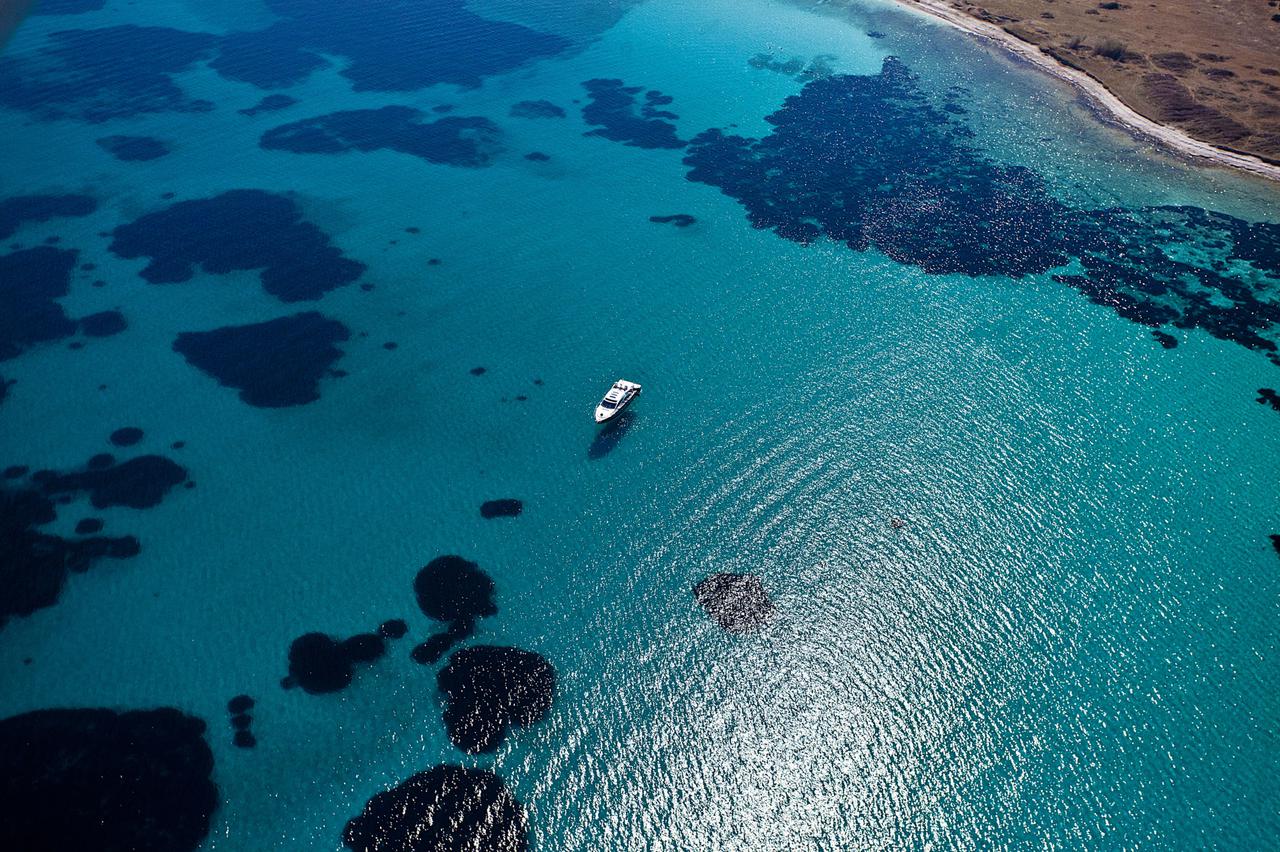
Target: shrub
{"type": "Point", "coordinates": [1111, 49]}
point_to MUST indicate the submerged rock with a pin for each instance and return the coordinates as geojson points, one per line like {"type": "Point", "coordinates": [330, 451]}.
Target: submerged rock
{"type": "Point", "coordinates": [504, 508]}
{"type": "Point", "coordinates": [450, 588]}
{"type": "Point", "coordinates": [618, 115]}
{"type": "Point", "coordinates": [393, 629]}
{"type": "Point", "coordinates": [469, 141]}
{"type": "Point", "coordinates": [445, 809]}
{"type": "Point", "coordinates": [133, 148]}
{"type": "Point", "coordinates": [737, 602]}
{"type": "Point", "coordinates": [126, 436]}
{"type": "Point", "coordinates": [536, 109]}
{"type": "Point", "coordinates": [89, 779]}
{"type": "Point", "coordinates": [490, 689]}
{"type": "Point", "coordinates": [274, 364]}
{"type": "Point", "coordinates": [39, 208]}
{"type": "Point", "coordinates": [680, 220]}
{"type": "Point", "coordinates": [138, 483]}
{"type": "Point", "coordinates": [103, 324]}
{"type": "Point", "coordinates": [270, 103]}
{"type": "Point", "coordinates": [243, 229]}
{"type": "Point", "coordinates": [34, 279]}
{"type": "Point", "coordinates": [34, 565]}
{"type": "Point", "coordinates": [319, 663]}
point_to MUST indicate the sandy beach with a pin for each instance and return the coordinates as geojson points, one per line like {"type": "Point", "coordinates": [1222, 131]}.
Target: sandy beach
{"type": "Point", "coordinates": [1132, 112]}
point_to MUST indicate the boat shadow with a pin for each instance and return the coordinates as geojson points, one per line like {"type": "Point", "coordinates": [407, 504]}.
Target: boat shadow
{"type": "Point", "coordinates": [611, 435]}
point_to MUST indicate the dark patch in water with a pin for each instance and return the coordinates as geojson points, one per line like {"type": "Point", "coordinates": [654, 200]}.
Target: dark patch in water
{"type": "Point", "coordinates": [391, 45]}
{"type": "Point", "coordinates": [391, 346]}
{"type": "Point", "coordinates": [5, 384]}
{"type": "Point", "coordinates": [1275, 542]}
{"type": "Point", "coordinates": [320, 663]}
{"type": "Point", "coordinates": [536, 109]}
{"type": "Point", "coordinates": [393, 629]}
{"type": "Point", "coordinates": [478, 371]}
{"type": "Point", "coordinates": [431, 651]}
{"type": "Point", "coordinates": [133, 148]}
{"type": "Point", "coordinates": [537, 157]}
{"type": "Point", "coordinates": [271, 103]}
{"type": "Point", "coordinates": [814, 69]}
{"type": "Point", "coordinates": [244, 739]}
{"type": "Point", "coordinates": [69, 78]}
{"type": "Point", "coordinates": [241, 721]}
{"type": "Point", "coordinates": [98, 461]}
{"type": "Point", "coordinates": [240, 704]}
{"type": "Point", "coordinates": [67, 7]}
{"type": "Point", "coordinates": [273, 364]}
{"type": "Point", "coordinates": [112, 782]}
{"type": "Point", "coordinates": [34, 565]}
{"type": "Point", "coordinates": [1168, 341]}
{"type": "Point", "coordinates": [445, 809]}
{"type": "Point", "coordinates": [1268, 396]}
{"type": "Point", "coordinates": [680, 220]}
{"type": "Point", "coordinates": [455, 140]}
{"type": "Point", "coordinates": [15, 471]}
{"type": "Point", "coordinates": [103, 324]}
{"type": "Point", "coordinates": [490, 689]}
{"type": "Point", "coordinates": [39, 208]}
{"type": "Point", "coordinates": [126, 436]}
{"type": "Point", "coordinates": [737, 602]}
{"type": "Point", "coordinates": [613, 108]}
{"type": "Point", "coordinates": [454, 590]}
{"type": "Point", "coordinates": [872, 162]}
{"type": "Point", "coordinates": [88, 526]}
{"type": "Point", "coordinates": [33, 279]}
{"type": "Point", "coordinates": [450, 588]}
{"type": "Point", "coordinates": [505, 508]}
{"type": "Point", "coordinates": [238, 230]}
{"type": "Point", "coordinates": [610, 435]}
{"type": "Point", "coordinates": [364, 647]}
{"type": "Point", "coordinates": [138, 483]}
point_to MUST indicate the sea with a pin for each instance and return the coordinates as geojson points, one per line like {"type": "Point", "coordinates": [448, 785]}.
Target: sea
{"type": "Point", "coordinates": [966, 390]}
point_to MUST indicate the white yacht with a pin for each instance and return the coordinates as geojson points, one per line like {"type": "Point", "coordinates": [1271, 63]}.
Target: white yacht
{"type": "Point", "coordinates": [618, 398]}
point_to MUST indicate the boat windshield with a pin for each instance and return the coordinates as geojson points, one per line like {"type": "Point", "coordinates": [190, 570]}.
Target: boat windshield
{"type": "Point", "coordinates": [604, 403]}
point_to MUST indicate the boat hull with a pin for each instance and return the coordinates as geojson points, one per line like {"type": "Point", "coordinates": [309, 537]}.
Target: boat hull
{"type": "Point", "coordinates": [604, 415]}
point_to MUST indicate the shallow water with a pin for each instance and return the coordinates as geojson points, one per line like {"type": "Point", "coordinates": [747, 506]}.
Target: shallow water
{"type": "Point", "coordinates": [1071, 641]}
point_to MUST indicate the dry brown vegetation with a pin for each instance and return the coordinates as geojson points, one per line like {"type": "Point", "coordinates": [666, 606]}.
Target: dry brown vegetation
{"type": "Point", "coordinates": [1208, 67]}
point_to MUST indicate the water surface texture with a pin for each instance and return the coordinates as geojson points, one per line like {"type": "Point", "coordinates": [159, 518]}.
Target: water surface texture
{"type": "Point", "coordinates": [943, 520]}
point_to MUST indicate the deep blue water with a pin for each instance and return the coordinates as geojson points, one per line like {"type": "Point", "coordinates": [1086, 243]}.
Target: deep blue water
{"type": "Point", "coordinates": [944, 519]}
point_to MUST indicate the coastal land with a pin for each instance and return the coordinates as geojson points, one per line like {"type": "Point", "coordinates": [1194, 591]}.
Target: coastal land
{"type": "Point", "coordinates": [1202, 78]}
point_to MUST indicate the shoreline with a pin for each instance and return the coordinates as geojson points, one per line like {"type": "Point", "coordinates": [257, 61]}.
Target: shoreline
{"type": "Point", "coordinates": [1096, 93]}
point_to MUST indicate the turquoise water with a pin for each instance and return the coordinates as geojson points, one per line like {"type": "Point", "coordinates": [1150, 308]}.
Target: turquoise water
{"type": "Point", "coordinates": [1071, 642]}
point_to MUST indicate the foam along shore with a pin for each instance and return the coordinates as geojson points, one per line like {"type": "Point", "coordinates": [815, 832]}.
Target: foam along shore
{"type": "Point", "coordinates": [1095, 92]}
